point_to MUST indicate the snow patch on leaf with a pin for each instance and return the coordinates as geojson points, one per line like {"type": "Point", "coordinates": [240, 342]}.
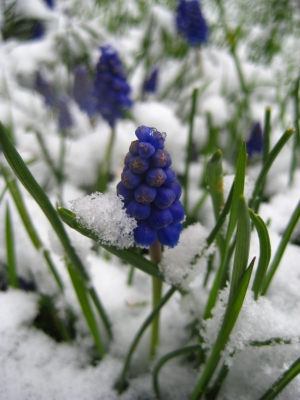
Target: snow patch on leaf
{"type": "Point", "coordinates": [104, 214]}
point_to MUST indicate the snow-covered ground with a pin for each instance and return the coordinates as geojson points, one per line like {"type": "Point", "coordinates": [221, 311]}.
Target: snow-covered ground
{"type": "Point", "coordinates": [33, 365]}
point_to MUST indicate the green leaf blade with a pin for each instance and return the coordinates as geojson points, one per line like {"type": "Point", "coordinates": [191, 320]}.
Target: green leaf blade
{"type": "Point", "coordinates": [264, 252]}
{"type": "Point", "coordinates": [10, 250]}
{"type": "Point", "coordinates": [242, 244]}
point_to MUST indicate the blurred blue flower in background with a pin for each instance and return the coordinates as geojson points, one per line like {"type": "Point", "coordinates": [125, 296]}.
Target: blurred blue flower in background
{"type": "Point", "coordinates": [111, 89]}
{"type": "Point", "coordinates": [190, 22]}
{"type": "Point", "coordinates": [45, 89]}
{"type": "Point", "coordinates": [150, 190]}
{"type": "Point", "coordinates": [255, 142]}
{"type": "Point", "coordinates": [64, 117]}
{"type": "Point", "coordinates": [150, 84]}
{"type": "Point", "coordinates": [83, 90]}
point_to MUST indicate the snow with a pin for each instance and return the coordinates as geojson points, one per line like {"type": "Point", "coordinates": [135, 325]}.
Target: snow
{"type": "Point", "coordinates": [105, 215]}
{"type": "Point", "coordinates": [33, 365]}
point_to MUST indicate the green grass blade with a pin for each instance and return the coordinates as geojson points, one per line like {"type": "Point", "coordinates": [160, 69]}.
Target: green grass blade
{"type": "Point", "coordinates": [28, 181]}
{"type": "Point", "coordinates": [189, 149]}
{"type": "Point", "coordinates": [294, 161]}
{"type": "Point", "coordinates": [10, 250]}
{"type": "Point", "coordinates": [220, 280]}
{"type": "Point", "coordinates": [264, 252]}
{"type": "Point", "coordinates": [267, 165]}
{"type": "Point", "coordinates": [221, 218]}
{"type": "Point", "coordinates": [127, 256]}
{"type": "Point", "coordinates": [32, 233]}
{"type": "Point", "coordinates": [161, 362]}
{"type": "Point", "coordinates": [266, 134]}
{"type": "Point", "coordinates": [281, 248]}
{"type": "Point", "coordinates": [83, 299]}
{"type": "Point", "coordinates": [213, 391]}
{"type": "Point", "coordinates": [214, 179]}
{"type": "Point", "coordinates": [3, 193]}
{"type": "Point", "coordinates": [121, 383]}
{"type": "Point", "coordinates": [231, 315]}
{"type": "Point", "coordinates": [242, 245]}
{"type": "Point", "coordinates": [18, 200]}
{"type": "Point", "coordinates": [266, 151]}
{"type": "Point", "coordinates": [282, 381]}
{"type": "Point", "coordinates": [238, 191]}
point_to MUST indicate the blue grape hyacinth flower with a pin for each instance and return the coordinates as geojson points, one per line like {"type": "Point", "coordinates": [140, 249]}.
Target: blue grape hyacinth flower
{"type": "Point", "coordinates": [150, 190]}
{"type": "Point", "coordinates": [111, 89]}
{"type": "Point", "coordinates": [254, 144]}
{"type": "Point", "coordinates": [150, 84]}
{"type": "Point", "coordinates": [83, 90]}
{"type": "Point", "coordinates": [190, 22]}
{"type": "Point", "coordinates": [45, 89]}
{"type": "Point", "coordinates": [64, 118]}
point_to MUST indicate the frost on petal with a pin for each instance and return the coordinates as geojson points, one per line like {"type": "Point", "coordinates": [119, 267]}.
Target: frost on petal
{"type": "Point", "coordinates": [105, 216]}
{"type": "Point", "coordinates": [177, 265]}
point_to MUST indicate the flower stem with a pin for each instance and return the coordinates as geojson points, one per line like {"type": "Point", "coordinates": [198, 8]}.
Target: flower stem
{"type": "Point", "coordinates": [155, 252]}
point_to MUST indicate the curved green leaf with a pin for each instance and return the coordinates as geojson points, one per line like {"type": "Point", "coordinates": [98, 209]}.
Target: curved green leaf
{"type": "Point", "coordinates": [264, 252]}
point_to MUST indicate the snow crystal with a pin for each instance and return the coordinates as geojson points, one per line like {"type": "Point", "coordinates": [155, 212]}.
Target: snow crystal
{"type": "Point", "coordinates": [177, 264]}
{"type": "Point", "coordinates": [105, 216]}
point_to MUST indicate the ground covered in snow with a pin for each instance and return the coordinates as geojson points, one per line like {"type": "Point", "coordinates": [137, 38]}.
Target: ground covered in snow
{"type": "Point", "coordinates": [34, 363]}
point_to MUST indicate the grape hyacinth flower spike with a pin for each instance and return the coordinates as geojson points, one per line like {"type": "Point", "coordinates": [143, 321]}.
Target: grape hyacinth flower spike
{"type": "Point", "coordinates": [190, 22]}
{"type": "Point", "coordinates": [111, 90]}
{"type": "Point", "coordinates": [254, 144]}
{"type": "Point", "coordinates": [83, 91]}
{"type": "Point", "coordinates": [45, 89]}
{"type": "Point", "coordinates": [150, 190]}
{"type": "Point", "coordinates": [64, 117]}
{"type": "Point", "coordinates": [151, 195]}
{"type": "Point", "coordinates": [150, 84]}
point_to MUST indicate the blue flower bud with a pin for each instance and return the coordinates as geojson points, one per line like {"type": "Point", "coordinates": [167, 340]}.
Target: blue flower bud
{"type": "Point", "coordinates": [83, 90]}
{"type": "Point", "coordinates": [45, 89]}
{"type": "Point", "coordinates": [127, 159]}
{"type": "Point", "coordinates": [134, 148]}
{"type": "Point", "coordinates": [150, 84]}
{"type": "Point", "coordinates": [138, 164]}
{"type": "Point", "coordinates": [144, 194]}
{"type": "Point", "coordinates": [255, 142]}
{"type": "Point", "coordinates": [143, 133]}
{"type": "Point", "coordinates": [126, 193]}
{"type": "Point", "coordinates": [164, 198]}
{"type": "Point", "coordinates": [146, 150]}
{"type": "Point", "coordinates": [160, 218]}
{"type": "Point", "coordinates": [64, 117]}
{"type": "Point", "coordinates": [176, 187]}
{"type": "Point", "coordinates": [170, 177]}
{"type": "Point", "coordinates": [157, 139]}
{"type": "Point", "coordinates": [129, 179]}
{"type": "Point", "coordinates": [144, 234]}
{"type": "Point", "coordinates": [169, 236]}
{"type": "Point", "coordinates": [138, 210]}
{"type": "Point", "coordinates": [177, 211]}
{"type": "Point", "coordinates": [161, 159]}
{"type": "Point", "coordinates": [155, 177]}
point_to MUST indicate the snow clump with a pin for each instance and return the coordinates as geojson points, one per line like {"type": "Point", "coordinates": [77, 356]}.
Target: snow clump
{"type": "Point", "coordinates": [104, 214]}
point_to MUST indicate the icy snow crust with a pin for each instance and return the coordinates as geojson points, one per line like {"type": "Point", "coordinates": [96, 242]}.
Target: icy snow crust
{"type": "Point", "coordinates": [32, 364]}
{"type": "Point", "coordinates": [104, 214]}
